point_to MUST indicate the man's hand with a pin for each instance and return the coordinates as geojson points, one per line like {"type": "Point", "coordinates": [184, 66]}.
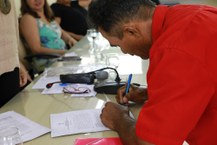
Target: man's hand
{"type": "Point", "coordinates": [136, 94]}
{"type": "Point", "coordinates": [116, 117]}
{"type": "Point", "coordinates": [112, 115]}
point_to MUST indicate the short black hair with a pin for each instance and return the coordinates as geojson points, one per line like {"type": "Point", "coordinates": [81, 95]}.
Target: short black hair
{"type": "Point", "coordinates": [107, 14]}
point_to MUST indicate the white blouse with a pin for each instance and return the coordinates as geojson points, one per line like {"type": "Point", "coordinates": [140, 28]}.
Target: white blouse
{"type": "Point", "coordinates": [9, 40]}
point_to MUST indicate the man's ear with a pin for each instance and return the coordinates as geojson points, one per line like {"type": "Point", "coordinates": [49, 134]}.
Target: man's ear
{"type": "Point", "coordinates": [131, 29]}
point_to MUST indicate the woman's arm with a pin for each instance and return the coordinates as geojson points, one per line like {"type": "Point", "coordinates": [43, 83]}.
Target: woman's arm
{"type": "Point", "coordinates": [76, 36]}
{"type": "Point", "coordinates": [67, 38]}
{"type": "Point", "coordinates": [29, 30]}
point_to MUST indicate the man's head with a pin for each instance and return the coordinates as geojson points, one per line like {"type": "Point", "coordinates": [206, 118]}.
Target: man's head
{"type": "Point", "coordinates": [126, 23]}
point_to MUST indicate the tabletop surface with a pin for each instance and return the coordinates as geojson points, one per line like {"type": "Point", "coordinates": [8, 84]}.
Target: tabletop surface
{"type": "Point", "coordinates": [37, 107]}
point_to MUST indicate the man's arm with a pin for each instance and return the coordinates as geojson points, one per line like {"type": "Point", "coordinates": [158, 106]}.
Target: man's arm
{"type": "Point", "coordinates": [116, 117]}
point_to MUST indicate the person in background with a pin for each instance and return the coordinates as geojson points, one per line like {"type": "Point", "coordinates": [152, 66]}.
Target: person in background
{"type": "Point", "coordinates": [180, 102]}
{"type": "Point", "coordinates": [71, 15]}
{"type": "Point", "coordinates": [40, 30]}
{"type": "Point", "coordinates": [13, 74]}
{"type": "Point", "coordinates": [82, 4]}
{"type": "Point", "coordinates": [157, 2]}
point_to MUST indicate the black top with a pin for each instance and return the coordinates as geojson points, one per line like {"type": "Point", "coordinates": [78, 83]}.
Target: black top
{"type": "Point", "coordinates": [156, 1]}
{"type": "Point", "coordinates": [73, 19]}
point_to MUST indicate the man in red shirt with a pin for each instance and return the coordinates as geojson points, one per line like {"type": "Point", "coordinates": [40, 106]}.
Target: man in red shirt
{"type": "Point", "coordinates": [180, 42]}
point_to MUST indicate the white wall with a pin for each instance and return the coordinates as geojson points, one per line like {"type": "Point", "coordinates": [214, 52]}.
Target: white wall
{"type": "Point", "coordinates": [17, 5]}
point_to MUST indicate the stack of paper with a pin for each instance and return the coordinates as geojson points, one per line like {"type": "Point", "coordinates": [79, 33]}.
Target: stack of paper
{"type": "Point", "coordinates": [98, 141]}
{"type": "Point", "coordinates": [75, 122]}
{"type": "Point", "coordinates": [58, 89]}
{"type": "Point", "coordinates": [28, 129]}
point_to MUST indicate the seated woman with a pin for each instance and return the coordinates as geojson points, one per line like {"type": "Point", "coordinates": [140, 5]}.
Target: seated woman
{"type": "Point", "coordinates": [39, 29]}
{"type": "Point", "coordinates": [71, 15]}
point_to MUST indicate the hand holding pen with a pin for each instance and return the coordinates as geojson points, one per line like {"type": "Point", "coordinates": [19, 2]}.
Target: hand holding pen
{"type": "Point", "coordinates": [128, 87]}
{"type": "Point", "coordinates": [131, 93]}
{"type": "Point", "coordinates": [128, 84]}
{"type": "Point", "coordinates": [122, 92]}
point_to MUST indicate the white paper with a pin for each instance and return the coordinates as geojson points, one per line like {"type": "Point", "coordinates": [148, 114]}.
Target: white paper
{"type": "Point", "coordinates": [75, 122]}
{"type": "Point", "coordinates": [70, 54]}
{"type": "Point", "coordinates": [28, 129]}
{"type": "Point", "coordinates": [55, 89]}
{"type": "Point", "coordinates": [71, 69]}
{"type": "Point", "coordinates": [43, 81]}
{"type": "Point", "coordinates": [57, 71]}
{"type": "Point", "coordinates": [58, 89]}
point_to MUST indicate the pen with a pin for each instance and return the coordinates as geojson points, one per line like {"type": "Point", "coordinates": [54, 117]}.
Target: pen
{"type": "Point", "coordinates": [128, 83]}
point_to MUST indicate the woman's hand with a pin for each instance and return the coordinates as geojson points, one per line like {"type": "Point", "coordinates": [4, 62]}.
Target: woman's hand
{"type": "Point", "coordinates": [68, 39]}
{"type": "Point", "coordinates": [71, 41]}
{"type": "Point", "coordinates": [24, 76]}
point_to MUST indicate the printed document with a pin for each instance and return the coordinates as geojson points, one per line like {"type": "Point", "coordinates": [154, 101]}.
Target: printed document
{"type": "Point", "coordinates": [43, 81]}
{"type": "Point", "coordinates": [74, 122]}
{"type": "Point", "coordinates": [98, 141]}
{"type": "Point", "coordinates": [28, 129]}
{"type": "Point", "coordinates": [58, 89]}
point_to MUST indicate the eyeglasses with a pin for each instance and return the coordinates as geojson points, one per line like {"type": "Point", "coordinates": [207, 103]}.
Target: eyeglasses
{"type": "Point", "coordinates": [73, 90]}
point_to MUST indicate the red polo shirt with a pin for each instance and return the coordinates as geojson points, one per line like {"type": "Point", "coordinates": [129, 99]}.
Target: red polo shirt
{"type": "Point", "coordinates": [182, 78]}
